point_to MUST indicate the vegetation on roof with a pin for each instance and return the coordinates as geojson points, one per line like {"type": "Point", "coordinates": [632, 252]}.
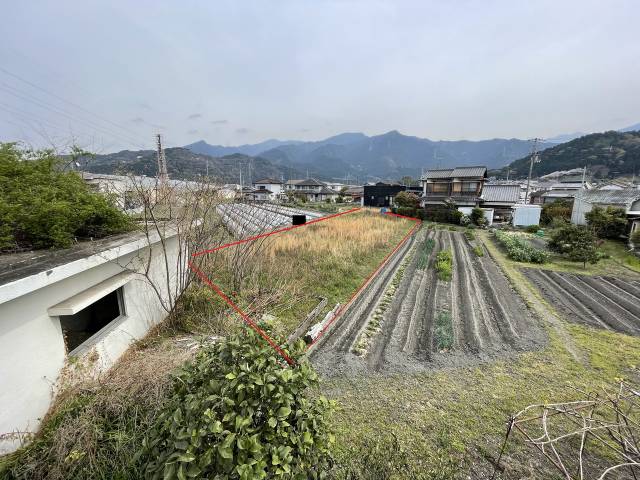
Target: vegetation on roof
{"type": "Point", "coordinates": [44, 206]}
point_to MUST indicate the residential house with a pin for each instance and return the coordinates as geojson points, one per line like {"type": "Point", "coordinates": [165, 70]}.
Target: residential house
{"type": "Point", "coordinates": [268, 189]}
{"type": "Point", "coordinates": [462, 185]}
{"type": "Point", "coordinates": [79, 307]}
{"type": "Point", "coordinates": [500, 198]}
{"type": "Point", "coordinates": [629, 199]}
{"type": "Point", "coordinates": [354, 194]}
{"type": "Point", "coordinates": [311, 189]}
{"type": "Point", "coordinates": [381, 194]}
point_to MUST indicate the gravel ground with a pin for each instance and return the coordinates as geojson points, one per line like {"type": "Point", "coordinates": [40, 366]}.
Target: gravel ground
{"type": "Point", "coordinates": [488, 317]}
{"type": "Point", "coordinates": [602, 302]}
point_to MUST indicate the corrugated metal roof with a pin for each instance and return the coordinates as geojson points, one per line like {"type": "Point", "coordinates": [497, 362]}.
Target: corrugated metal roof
{"type": "Point", "coordinates": [611, 197]}
{"type": "Point", "coordinates": [501, 193]}
{"type": "Point", "coordinates": [458, 172]}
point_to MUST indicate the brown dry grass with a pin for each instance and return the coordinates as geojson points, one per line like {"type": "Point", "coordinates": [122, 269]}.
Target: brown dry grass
{"type": "Point", "coordinates": [341, 237]}
{"type": "Point", "coordinates": [96, 426]}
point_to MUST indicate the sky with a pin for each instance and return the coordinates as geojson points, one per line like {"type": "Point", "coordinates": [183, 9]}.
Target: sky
{"type": "Point", "coordinates": [108, 75]}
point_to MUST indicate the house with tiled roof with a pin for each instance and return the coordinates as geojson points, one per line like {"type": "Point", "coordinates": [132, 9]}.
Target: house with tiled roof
{"type": "Point", "coordinates": [628, 199]}
{"type": "Point", "coordinates": [268, 189]}
{"type": "Point", "coordinates": [311, 190]}
{"type": "Point", "coordinates": [462, 185]}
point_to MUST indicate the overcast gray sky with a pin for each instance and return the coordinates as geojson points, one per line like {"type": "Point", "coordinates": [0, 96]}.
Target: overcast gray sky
{"type": "Point", "coordinates": [110, 74]}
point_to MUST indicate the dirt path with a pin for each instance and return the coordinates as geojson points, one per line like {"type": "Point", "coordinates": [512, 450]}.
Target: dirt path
{"type": "Point", "coordinates": [488, 318]}
{"type": "Point", "coordinates": [601, 302]}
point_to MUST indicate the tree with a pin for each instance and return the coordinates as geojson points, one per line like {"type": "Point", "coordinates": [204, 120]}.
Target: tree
{"type": "Point", "coordinates": [558, 211]}
{"type": "Point", "coordinates": [407, 199]}
{"type": "Point", "coordinates": [44, 206]}
{"type": "Point", "coordinates": [609, 222]}
{"type": "Point", "coordinates": [577, 242]}
{"type": "Point", "coordinates": [237, 413]}
{"type": "Point", "coordinates": [477, 216]}
{"type": "Point", "coordinates": [408, 181]}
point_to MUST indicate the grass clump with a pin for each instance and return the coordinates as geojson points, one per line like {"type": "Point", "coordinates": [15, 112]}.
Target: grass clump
{"type": "Point", "coordinates": [443, 331]}
{"type": "Point", "coordinates": [427, 248]}
{"type": "Point", "coordinates": [520, 250]}
{"type": "Point", "coordinates": [444, 264]}
{"type": "Point", "coordinates": [478, 250]}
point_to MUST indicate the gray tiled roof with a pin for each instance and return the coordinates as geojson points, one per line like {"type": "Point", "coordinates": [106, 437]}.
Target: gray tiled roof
{"type": "Point", "coordinates": [311, 182]}
{"type": "Point", "coordinates": [268, 181]}
{"type": "Point", "coordinates": [501, 193]}
{"type": "Point", "coordinates": [610, 197]}
{"type": "Point", "coordinates": [458, 172]}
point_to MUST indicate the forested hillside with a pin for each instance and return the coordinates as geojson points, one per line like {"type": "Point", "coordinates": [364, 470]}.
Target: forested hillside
{"type": "Point", "coordinates": [604, 154]}
{"type": "Point", "coordinates": [185, 164]}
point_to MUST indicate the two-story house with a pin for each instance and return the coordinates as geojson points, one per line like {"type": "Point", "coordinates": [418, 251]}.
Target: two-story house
{"type": "Point", "coordinates": [462, 185]}
{"type": "Point", "coordinates": [268, 189]}
{"type": "Point", "coordinates": [311, 189]}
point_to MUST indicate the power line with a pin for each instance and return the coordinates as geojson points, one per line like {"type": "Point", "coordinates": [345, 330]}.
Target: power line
{"type": "Point", "coordinates": [18, 77]}
{"type": "Point", "coordinates": [58, 111]}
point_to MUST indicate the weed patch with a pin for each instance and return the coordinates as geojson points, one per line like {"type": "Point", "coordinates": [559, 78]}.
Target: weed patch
{"type": "Point", "coordinates": [443, 332]}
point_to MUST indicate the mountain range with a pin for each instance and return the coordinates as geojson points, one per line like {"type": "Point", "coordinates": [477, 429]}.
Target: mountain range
{"type": "Point", "coordinates": [358, 158]}
{"type": "Point", "coordinates": [387, 156]}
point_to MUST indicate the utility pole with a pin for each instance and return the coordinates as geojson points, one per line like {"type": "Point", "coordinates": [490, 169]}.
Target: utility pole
{"type": "Point", "coordinates": [534, 159]}
{"type": "Point", "coordinates": [163, 176]}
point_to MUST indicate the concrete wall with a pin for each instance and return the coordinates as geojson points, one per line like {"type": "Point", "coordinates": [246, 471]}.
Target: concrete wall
{"type": "Point", "coordinates": [32, 348]}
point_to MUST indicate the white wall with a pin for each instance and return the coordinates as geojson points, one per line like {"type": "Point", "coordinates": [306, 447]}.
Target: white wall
{"type": "Point", "coordinates": [32, 349]}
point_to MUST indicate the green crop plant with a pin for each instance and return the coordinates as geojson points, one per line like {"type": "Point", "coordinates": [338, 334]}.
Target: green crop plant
{"type": "Point", "coordinates": [444, 263]}
{"type": "Point", "coordinates": [443, 332]}
{"type": "Point", "coordinates": [520, 250]}
{"type": "Point", "coordinates": [478, 251]}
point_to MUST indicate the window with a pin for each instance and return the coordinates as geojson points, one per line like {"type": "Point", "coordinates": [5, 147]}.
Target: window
{"type": "Point", "coordinates": [80, 327]}
{"type": "Point", "coordinates": [438, 187]}
{"type": "Point", "coordinates": [469, 187]}
{"type": "Point", "coordinates": [262, 187]}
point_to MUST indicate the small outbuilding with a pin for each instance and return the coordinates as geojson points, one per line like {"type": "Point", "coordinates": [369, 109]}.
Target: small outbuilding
{"type": "Point", "coordinates": [80, 306]}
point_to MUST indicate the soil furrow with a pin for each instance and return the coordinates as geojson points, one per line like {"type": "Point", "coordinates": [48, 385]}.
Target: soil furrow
{"type": "Point", "coordinates": [559, 295]}
{"type": "Point", "coordinates": [465, 301]}
{"type": "Point", "coordinates": [339, 339]}
{"type": "Point", "coordinates": [624, 285]}
{"type": "Point", "coordinates": [395, 316]}
{"type": "Point", "coordinates": [625, 320]}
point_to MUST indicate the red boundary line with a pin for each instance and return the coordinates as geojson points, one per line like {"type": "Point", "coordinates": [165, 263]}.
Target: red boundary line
{"type": "Point", "coordinates": [253, 324]}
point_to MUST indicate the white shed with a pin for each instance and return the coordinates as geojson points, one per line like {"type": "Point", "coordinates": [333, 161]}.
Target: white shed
{"type": "Point", "coordinates": [525, 215]}
{"type": "Point", "coordinates": [90, 302]}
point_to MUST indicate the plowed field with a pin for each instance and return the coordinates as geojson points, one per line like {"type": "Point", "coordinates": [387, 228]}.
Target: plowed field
{"type": "Point", "coordinates": [429, 322]}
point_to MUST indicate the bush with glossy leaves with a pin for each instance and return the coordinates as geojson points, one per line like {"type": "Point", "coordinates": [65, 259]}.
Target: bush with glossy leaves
{"type": "Point", "coordinates": [239, 412]}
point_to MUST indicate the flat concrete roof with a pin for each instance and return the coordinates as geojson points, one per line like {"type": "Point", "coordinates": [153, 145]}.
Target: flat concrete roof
{"type": "Point", "coordinates": [25, 272]}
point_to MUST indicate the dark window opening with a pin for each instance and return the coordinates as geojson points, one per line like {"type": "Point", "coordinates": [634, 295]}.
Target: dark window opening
{"type": "Point", "coordinates": [78, 328]}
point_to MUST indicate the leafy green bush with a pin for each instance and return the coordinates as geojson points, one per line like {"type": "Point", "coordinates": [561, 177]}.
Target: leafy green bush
{"type": "Point", "coordinates": [406, 211]}
{"type": "Point", "coordinates": [520, 250]}
{"type": "Point", "coordinates": [41, 206]}
{"type": "Point", "coordinates": [478, 251]}
{"type": "Point", "coordinates": [577, 242]}
{"type": "Point", "coordinates": [444, 262]}
{"type": "Point", "coordinates": [477, 216]}
{"type": "Point", "coordinates": [610, 222]}
{"type": "Point", "coordinates": [557, 212]}
{"type": "Point", "coordinates": [407, 199]}
{"type": "Point", "coordinates": [237, 413]}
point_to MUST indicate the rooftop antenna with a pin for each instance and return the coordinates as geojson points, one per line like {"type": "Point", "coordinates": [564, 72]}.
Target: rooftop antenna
{"type": "Point", "coordinates": [535, 158]}
{"type": "Point", "coordinates": [163, 176]}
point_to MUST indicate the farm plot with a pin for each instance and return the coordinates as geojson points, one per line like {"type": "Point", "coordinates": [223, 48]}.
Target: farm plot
{"type": "Point", "coordinates": [431, 322]}
{"type": "Point", "coordinates": [599, 301]}
{"type": "Point", "coordinates": [244, 219]}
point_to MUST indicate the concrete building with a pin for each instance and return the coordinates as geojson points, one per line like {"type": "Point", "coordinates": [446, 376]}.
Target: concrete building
{"type": "Point", "coordinates": [82, 306]}
{"type": "Point", "coordinates": [629, 199]}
